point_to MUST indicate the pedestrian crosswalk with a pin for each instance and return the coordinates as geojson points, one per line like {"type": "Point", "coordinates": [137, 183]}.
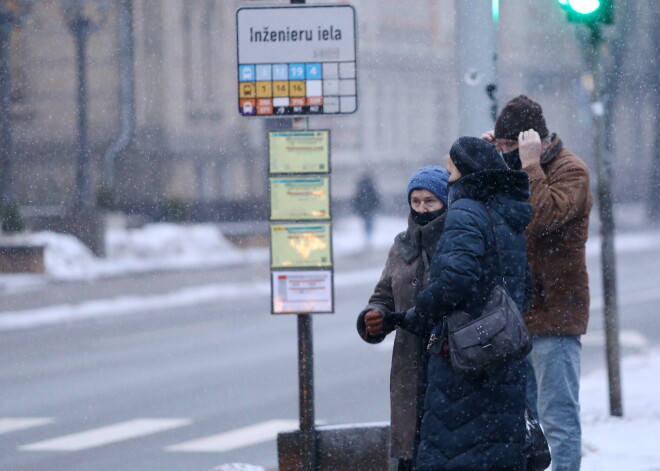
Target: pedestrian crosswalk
{"type": "Point", "coordinates": [11, 424]}
{"type": "Point", "coordinates": [142, 427]}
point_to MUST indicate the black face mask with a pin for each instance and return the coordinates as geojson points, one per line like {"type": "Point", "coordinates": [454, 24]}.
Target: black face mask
{"type": "Point", "coordinates": [512, 159]}
{"type": "Point", "coordinates": [424, 218]}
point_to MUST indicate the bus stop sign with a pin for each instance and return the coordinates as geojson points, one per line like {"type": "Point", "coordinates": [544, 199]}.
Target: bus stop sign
{"type": "Point", "coordinates": [296, 60]}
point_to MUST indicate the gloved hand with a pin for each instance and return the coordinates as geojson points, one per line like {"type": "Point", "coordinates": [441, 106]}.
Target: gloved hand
{"type": "Point", "coordinates": [374, 322]}
{"type": "Point", "coordinates": [376, 325]}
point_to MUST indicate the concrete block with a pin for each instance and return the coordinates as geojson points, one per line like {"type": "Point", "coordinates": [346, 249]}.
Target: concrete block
{"type": "Point", "coordinates": [350, 447]}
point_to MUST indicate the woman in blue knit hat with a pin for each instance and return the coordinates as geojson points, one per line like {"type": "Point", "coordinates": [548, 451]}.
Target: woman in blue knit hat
{"type": "Point", "coordinates": [406, 273]}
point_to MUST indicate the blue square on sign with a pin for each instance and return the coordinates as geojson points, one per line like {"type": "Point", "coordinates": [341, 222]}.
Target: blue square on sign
{"type": "Point", "coordinates": [313, 71]}
{"type": "Point", "coordinates": [296, 71]}
{"type": "Point", "coordinates": [246, 73]}
{"type": "Point", "coordinates": [263, 73]}
{"type": "Point", "coordinates": [280, 72]}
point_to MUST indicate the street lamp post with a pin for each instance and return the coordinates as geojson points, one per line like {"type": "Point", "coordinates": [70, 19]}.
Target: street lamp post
{"type": "Point", "coordinates": [83, 17]}
{"type": "Point", "coordinates": [6, 143]}
{"type": "Point", "coordinates": [11, 12]}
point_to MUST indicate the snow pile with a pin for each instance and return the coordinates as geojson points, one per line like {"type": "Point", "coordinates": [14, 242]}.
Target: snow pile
{"type": "Point", "coordinates": [629, 442]}
{"type": "Point", "coordinates": [166, 246]}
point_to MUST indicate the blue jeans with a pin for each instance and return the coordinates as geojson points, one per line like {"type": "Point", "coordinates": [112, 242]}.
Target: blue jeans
{"type": "Point", "coordinates": [553, 387]}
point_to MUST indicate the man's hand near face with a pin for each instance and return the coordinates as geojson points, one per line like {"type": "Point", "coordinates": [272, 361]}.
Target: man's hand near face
{"type": "Point", "coordinates": [529, 144]}
{"type": "Point", "coordinates": [489, 136]}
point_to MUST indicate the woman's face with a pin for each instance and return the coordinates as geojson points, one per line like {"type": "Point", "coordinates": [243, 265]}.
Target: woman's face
{"type": "Point", "coordinates": [454, 174]}
{"type": "Point", "coordinates": [423, 201]}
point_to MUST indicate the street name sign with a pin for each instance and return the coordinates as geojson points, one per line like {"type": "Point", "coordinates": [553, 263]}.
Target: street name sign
{"type": "Point", "coordinates": [296, 60]}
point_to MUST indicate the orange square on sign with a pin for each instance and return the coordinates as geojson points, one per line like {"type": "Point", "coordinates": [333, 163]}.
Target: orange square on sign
{"type": "Point", "coordinates": [314, 101]}
{"type": "Point", "coordinates": [297, 102]}
{"type": "Point", "coordinates": [264, 106]}
{"type": "Point", "coordinates": [247, 106]}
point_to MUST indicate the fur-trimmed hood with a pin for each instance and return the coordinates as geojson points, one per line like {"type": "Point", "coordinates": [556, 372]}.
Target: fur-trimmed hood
{"type": "Point", "coordinates": [505, 191]}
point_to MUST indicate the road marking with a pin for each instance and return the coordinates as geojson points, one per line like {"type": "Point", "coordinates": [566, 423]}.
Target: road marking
{"type": "Point", "coordinates": [106, 435]}
{"type": "Point", "coordinates": [12, 424]}
{"type": "Point", "coordinates": [239, 438]}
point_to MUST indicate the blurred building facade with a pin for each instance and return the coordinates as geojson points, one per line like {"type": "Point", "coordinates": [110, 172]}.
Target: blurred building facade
{"type": "Point", "coordinates": [191, 145]}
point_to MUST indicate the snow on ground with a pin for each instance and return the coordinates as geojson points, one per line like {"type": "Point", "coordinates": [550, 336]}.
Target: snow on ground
{"type": "Point", "coordinates": [610, 443]}
{"type": "Point", "coordinates": [630, 442]}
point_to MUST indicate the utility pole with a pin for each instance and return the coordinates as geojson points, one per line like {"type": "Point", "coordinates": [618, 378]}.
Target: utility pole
{"type": "Point", "coordinates": [11, 14]}
{"type": "Point", "coordinates": [592, 15]}
{"type": "Point", "coordinates": [83, 18]}
{"type": "Point", "coordinates": [80, 26]}
{"type": "Point", "coordinates": [604, 189]}
{"type": "Point", "coordinates": [476, 25]}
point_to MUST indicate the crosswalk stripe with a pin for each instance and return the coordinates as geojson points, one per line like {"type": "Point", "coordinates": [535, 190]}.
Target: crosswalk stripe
{"type": "Point", "coordinates": [251, 435]}
{"type": "Point", "coordinates": [106, 435]}
{"type": "Point", "coordinates": [12, 424]}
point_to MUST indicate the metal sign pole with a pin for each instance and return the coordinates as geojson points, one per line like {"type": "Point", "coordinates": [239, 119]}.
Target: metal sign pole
{"type": "Point", "coordinates": [306, 391]}
{"type": "Point", "coordinates": [306, 371]}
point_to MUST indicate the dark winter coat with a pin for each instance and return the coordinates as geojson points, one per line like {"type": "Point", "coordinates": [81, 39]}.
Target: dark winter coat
{"type": "Point", "coordinates": [406, 272]}
{"type": "Point", "coordinates": [475, 425]}
{"type": "Point", "coordinates": [556, 238]}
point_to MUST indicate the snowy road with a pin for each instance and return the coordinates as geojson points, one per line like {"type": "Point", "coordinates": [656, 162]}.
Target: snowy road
{"type": "Point", "coordinates": [184, 374]}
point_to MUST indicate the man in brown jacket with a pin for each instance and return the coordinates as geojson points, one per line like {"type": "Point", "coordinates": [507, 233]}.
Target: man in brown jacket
{"type": "Point", "coordinates": [561, 201]}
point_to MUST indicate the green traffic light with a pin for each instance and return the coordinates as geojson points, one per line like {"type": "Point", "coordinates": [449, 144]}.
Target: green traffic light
{"type": "Point", "coordinates": [584, 7]}
{"type": "Point", "coordinates": [588, 12]}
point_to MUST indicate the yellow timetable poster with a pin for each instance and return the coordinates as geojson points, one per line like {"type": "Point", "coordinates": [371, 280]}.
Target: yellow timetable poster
{"type": "Point", "coordinates": [300, 245]}
{"type": "Point", "coordinates": [299, 151]}
{"type": "Point", "coordinates": [300, 198]}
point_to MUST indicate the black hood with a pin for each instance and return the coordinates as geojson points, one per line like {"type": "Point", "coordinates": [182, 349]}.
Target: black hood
{"type": "Point", "coordinates": [505, 191]}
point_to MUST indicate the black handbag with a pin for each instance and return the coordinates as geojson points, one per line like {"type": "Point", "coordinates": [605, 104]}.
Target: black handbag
{"type": "Point", "coordinates": [479, 346]}
{"type": "Point", "coordinates": [536, 447]}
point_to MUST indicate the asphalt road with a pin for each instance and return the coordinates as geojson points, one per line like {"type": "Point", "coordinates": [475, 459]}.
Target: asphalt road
{"type": "Point", "coordinates": [197, 385]}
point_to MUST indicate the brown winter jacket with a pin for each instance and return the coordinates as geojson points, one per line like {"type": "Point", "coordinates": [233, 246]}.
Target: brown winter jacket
{"type": "Point", "coordinates": [406, 272]}
{"type": "Point", "coordinates": [561, 201]}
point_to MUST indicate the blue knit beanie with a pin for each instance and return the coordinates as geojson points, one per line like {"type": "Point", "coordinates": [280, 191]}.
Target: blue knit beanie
{"type": "Point", "coordinates": [433, 179]}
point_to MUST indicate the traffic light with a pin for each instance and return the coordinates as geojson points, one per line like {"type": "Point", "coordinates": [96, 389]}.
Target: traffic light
{"type": "Point", "coordinates": [590, 12]}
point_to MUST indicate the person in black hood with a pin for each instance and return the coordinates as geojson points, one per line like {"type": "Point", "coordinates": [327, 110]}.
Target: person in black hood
{"type": "Point", "coordinates": [466, 424]}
